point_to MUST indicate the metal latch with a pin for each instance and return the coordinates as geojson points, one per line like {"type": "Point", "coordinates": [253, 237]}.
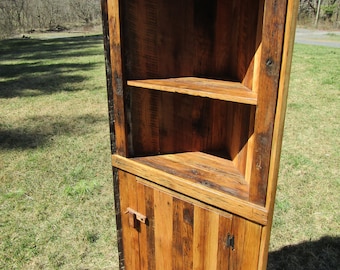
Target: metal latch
{"type": "Point", "coordinates": [134, 216]}
{"type": "Point", "coordinates": [230, 241]}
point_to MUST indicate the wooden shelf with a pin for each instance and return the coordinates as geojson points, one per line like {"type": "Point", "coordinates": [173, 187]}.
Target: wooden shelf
{"type": "Point", "coordinates": [208, 178]}
{"type": "Point", "coordinates": [216, 89]}
{"type": "Point", "coordinates": [197, 167]}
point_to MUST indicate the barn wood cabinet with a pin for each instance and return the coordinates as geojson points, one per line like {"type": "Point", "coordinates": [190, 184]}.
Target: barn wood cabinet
{"type": "Point", "coordinates": [197, 95]}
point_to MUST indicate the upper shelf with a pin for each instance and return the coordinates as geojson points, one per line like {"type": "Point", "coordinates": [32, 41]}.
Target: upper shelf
{"type": "Point", "coordinates": [210, 88]}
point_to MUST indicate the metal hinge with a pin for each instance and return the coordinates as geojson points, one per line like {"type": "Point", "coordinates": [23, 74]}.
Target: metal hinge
{"type": "Point", "coordinates": [230, 241]}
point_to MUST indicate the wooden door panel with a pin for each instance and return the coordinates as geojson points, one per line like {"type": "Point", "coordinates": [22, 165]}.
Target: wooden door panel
{"type": "Point", "coordinates": [247, 245]}
{"type": "Point", "coordinates": [177, 234]}
{"type": "Point", "coordinates": [183, 226]}
{"type": "Point", "coordinates": [128, 188]}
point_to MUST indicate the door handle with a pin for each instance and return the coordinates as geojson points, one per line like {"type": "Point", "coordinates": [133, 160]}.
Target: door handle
{"type": "Point", "coordinates": [135, 217]}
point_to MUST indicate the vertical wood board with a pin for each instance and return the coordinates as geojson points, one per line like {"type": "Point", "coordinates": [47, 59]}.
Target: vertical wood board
{"type": "Point", "coordinates": [270, 67]}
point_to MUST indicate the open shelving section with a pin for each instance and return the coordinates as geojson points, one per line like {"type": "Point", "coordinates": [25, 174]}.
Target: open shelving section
{"type": "Point", "coordinates": [197, 95]}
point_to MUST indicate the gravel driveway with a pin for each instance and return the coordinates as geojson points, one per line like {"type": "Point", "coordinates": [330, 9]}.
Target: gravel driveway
{"type": "Point", "coordinates": [318, 37]}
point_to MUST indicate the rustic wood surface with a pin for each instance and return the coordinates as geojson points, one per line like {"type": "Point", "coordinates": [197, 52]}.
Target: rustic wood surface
{"type": "Point", "coordinates": [192, 189]}
{"type": "Point", "coordinates": [173, 239]}
{"type": "Point", "coordinates": [216, 89]}
{"type": "Point", "coordinates": [197, 95]}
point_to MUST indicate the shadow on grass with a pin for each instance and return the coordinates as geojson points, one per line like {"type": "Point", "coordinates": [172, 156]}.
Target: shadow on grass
{"type": "Point", "coordinates": [323, 254]}
{"type": "Point", "coordinates": [28, 67]}
{"type": "Point", "coordinates": [31, 135]}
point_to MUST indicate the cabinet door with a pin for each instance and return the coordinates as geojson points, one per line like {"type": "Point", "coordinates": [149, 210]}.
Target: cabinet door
{"type": "Point", "coordinates": [178, 233]}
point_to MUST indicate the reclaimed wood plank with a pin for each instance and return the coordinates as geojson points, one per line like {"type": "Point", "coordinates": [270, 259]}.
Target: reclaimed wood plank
{"type": "Point", "coordinates": [216, 89]}
{"type": "Point", "coordinates": [220, 199]}
{"type": "Point", "coordinates": [144, 253]}
{"type": "Point", "coordinates": [210, 171]}
{"type": "Point", "coordinates": [246, 240]}
{"type": "Point", "coordinates": [113, 9]}
{"type": "Point", "coordinates": [163, 210]}
{"type": "Point", "coordinates": [223, 255]}
{"type": "Point", "coordinates": [205, 242]}
{"type": "Point", "coordinates": [270, 67]}
{"type": "Point", "coordinates": [128, 198]}
{"type": "Point", "coordinates": [145, 122]}
{"type": "Point", "coordinates": [183, 229]}
{"type": "Point", "coordinates": [150, 226]}
{"type": "Point", "coordinates": [291, 21]}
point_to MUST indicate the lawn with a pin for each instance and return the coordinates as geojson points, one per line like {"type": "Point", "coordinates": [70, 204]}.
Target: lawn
{"type": "Point", "coordinates": [56, 196]}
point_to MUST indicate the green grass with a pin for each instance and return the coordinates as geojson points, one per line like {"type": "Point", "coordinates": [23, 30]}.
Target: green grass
{"type": "Point", "coordinates": [55, 177]}
{"type": "Point", "coordinates": [307, 206]}
{"type": "Point", "coordinates": [56, 194]}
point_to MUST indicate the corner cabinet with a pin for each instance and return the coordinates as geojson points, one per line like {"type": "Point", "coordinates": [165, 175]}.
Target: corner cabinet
{"type": "Point", "coordinates": [197, 95]}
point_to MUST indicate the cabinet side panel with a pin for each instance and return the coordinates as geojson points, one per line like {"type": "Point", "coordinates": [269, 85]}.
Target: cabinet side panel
{"type": "Point", "coordinates": [292, 11]}
{"type": "Point", "coordinates": [116, 77]}
{"type": "Point", "coordinates": [106, 39]}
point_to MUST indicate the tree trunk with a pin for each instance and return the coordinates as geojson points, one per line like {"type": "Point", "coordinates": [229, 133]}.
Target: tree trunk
{"type": "Point", "coordinates": [318, 13]}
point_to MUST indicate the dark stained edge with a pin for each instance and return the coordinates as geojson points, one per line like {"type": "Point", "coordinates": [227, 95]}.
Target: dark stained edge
{"type": "Point", "coordinates": [106, 41]}
{"type": "Point", "coordinates": [272, 48]}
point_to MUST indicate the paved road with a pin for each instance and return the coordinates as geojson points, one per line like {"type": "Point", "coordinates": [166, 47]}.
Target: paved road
{"type": "Point", "coordinates": [318, 37]}
{"type": "Point", "coordinates": [303, 36]}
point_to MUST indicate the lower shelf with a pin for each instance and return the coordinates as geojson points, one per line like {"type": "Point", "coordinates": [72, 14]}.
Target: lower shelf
{"type": "Point", "coordinates": [210, 179]}
{"type": "Point", "coordinates": [201, 168]}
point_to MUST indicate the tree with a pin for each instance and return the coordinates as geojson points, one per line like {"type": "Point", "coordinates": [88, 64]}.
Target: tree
{"type": "Point", "coordinates": [87, 11]}
{"type": "Point", "coordinates": [24, 15]}
{"type": "Point", "coordinates": [317, 10]}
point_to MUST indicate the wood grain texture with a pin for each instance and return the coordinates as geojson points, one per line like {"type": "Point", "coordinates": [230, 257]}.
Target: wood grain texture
{"type": "Point", "coordinates": [128, 198]}
{"type": "Point", "coordinates": [145, 112]}
{"type": "Point", "coordinates": [197, 96]}
{"type": "Point", "coordinates": [181, 239]}
{"type": "Point", "coordinates": [269, 75]}
{"type": "Point", "coordinates": [163, 211]}
{"type": "Point", "coordinates": [117, 77]}
{"type": "Point", "coordinates": [208, 170]}
{"type": "Point", "coordinates": [247, 244]}
{"type": "Point", "coordinates": [178, 241]}
{"type": "Point", "coordinates": [205, 239]}
{"type": "Point", "coordinates": [163, 122]}
{"type": "Point", "coordinates": [183, 226]}
{"type": "Point", "coordinates": [292, 11]}
{"type": "Point", "coordinates": [206, 40]}
{"type": "Point", "coordinates": [216, 89]}
{"type": "Point", "coordinates": [210, 196]}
